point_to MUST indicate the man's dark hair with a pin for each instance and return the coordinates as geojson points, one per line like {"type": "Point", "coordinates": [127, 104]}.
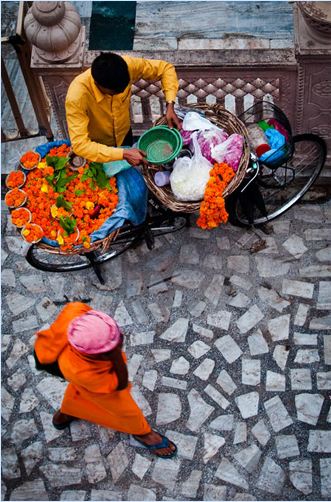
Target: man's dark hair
{"type": "Point", "coordinates": [110, 71]}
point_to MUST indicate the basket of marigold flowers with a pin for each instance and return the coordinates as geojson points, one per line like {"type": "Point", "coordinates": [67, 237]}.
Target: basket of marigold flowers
{"type": "Point", "coordinates": [68, 206]}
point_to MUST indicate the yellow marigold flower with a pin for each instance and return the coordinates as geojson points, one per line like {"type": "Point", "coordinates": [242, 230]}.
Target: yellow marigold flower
{"type": "Point", "coordinates": [42, 165]}
{"type": "Point", "coordinates": [89, 205]}
{"type": "Point", "coordinates": [60, 240]}
{"type": "Point", "coordinates": [26, 232]}
{"type": "Point", "coordinates": [54, 210]}
{"type": "Point", "coordinates": [44, 188]}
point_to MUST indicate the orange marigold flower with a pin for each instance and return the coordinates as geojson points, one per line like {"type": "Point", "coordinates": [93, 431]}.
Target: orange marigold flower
{"type": "Point", "coordinates": [30, 159]}
{"type": "Point", "coordinates": [32, 233]}
{"type": "Point", "coordinates": [15, 179]}
{"type": "Point", "coordinates": [15, 197]}
{"type": "Point", "coordinates": [20, 216]}
{"type": "Point", "coordinates": [79, 194]}
{"type": "Point", "coordinates": [212, 208]}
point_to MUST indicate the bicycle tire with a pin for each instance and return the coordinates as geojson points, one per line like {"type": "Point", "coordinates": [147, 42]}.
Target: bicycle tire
{"type": "Point", "coordinates": [278, 191]}
{"type": "Point", "coordinates": [48, 262]}
{"type": "Point", "coordinates": [128, 237]}
{"type": "Point", "coordinates": [172, 225]}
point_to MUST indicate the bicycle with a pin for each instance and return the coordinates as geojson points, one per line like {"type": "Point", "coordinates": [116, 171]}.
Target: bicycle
{"type": "Point", "coordinates": [290, 177]}
{"type": "Point", "coordinates": [273, 187]}
{"type": "Point", "coordinates": [159, 221]}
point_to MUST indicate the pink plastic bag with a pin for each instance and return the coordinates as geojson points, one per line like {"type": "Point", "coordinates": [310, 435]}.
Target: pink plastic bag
{"type": "Point", "coordinates": [209, 139]}
{"type": "Point", "coordinates": [230, 151]}
{"type": "Point", "coordinates": [187, 136]}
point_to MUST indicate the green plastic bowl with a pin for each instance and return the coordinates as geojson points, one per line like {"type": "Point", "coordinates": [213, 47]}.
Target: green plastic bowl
{"type": "Point", "coordinates": [161, 144]}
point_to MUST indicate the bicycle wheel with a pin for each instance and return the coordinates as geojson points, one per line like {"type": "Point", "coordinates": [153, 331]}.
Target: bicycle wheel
{"type": "Point", "coordinates": [282, 187]}
{"type": "Point", "coordinates": [52, 262]}
{"type": "Point", "coordinates": [167, 226]}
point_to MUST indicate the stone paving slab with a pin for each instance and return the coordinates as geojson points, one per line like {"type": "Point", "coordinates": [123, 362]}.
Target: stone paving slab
{"type": "Point", "coordinates": [231, 359]}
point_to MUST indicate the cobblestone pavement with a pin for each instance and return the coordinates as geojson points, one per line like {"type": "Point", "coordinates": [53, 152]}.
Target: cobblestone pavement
{"type": "Point", "coordinates": [229, 346]}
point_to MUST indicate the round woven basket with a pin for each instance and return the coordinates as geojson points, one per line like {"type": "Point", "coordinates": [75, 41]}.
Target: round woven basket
{"type": "Point", "coordinates": [227, 121]}
{"type": "Point", "coordinates": [100, 245]}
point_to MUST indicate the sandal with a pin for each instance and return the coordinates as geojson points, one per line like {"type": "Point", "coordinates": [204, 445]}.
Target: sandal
{"type": "Point", "coordinates": [64, 423]}
{"type": "Point", "coordinates": [165, 443]}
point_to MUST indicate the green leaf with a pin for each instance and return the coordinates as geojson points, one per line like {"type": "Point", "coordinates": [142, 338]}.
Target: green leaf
{"type": "Point", "coordinates": [79, 192]}
{"type": "Point", "coordinates": [58, 163]}
{"type": "Point", "coordinates": [61, 202]}
{"type": "Point", "coordinates": [68, 224]}
{"type": "Point", "coordinates": [96, 173]}
{"type": "Point", "coordinates": [101, 179]}
{"type": "Point", "coordinates": [62, 181]}
{"type": "Point", "coordinates": [96, 165]}
{"type": "Point", "coordinates": [50, 180]}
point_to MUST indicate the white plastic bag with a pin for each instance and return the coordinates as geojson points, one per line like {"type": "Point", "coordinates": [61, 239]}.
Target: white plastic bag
{"type": "Point", "coordinates": [189, 177]}
{"type": "Point", "coordinates": [209, 133]}
{"type": "Point", "coordinates": [194, 121]}
{"type": "Point", "coordinates": [230, 151]}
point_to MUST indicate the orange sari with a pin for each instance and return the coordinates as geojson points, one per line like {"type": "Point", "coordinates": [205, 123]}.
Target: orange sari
{"type": "Point", "coordinates": [91, 394]}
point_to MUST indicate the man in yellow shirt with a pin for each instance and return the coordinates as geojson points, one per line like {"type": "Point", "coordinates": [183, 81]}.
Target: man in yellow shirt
{"type": "Point", "coordinates": [98, 105]}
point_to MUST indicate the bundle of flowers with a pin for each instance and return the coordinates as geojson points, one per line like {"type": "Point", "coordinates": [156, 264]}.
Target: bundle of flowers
{"type": "Point", "coordinates": [68, 206]}
{"type": "Point", "coordinates": [32, 233]}
{"type": "Point", "coordinates": [29, 160]}
{"type": "Point", "coordinates": [21, 217]}
{"type": "Point", "coordinates": [15, 179]}
{"type": "Point", "coordinates": [212, 208]}
{"type": "Point", "coordinates": [15, 198]}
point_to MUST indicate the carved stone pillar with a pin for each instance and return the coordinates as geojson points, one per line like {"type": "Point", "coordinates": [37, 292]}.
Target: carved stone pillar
{"type": "Point", "coordinates": [58, 39]}
{"type": "Point", "coordinates": [313, 53]}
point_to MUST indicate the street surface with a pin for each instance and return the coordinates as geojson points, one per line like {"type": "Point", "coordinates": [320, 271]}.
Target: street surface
{"type": "Point", "coordinates": [229, 347]}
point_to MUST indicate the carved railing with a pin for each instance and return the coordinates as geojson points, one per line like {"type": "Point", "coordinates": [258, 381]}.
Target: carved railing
{"type": "Point", "coordinates": [296, 79]}
{"type": "Point", "coordinates": [217, 84]}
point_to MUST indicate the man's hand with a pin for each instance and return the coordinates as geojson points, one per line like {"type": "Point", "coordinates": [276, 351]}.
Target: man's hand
{"type": "Point", "coordinates": [172, 118]}
{"type": "Point", "coordinates": [134, 156]}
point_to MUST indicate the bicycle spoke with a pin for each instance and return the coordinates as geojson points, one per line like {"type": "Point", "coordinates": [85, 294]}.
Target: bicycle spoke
{"type": "Point", "coordinates": [285, 185]}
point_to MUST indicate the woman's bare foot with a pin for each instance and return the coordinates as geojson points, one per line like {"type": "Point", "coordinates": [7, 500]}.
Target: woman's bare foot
{"type": "Point", "coordinates": [154, 438]}
{"type": "Point", "coordinates": [61, 420]}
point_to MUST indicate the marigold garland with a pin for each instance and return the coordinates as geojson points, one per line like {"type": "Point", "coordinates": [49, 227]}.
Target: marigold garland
{"type": "Point", "coordinates": [212, 208]}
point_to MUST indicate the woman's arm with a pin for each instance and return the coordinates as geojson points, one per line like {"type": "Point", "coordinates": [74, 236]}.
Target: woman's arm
{"type": "Point", "coordinates": [51, 368]}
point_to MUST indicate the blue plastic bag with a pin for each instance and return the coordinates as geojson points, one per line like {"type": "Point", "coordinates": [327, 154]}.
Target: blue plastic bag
{"type": "Point", "coordinates": [132, 203]}
{"type": "Point", "coordinates": [115, 167]}
{"type": "Point", "coordinates": [277, 144]}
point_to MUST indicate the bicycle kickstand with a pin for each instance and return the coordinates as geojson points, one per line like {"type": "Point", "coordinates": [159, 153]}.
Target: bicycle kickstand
{"type": "Point", "coordinates": [96, 266]}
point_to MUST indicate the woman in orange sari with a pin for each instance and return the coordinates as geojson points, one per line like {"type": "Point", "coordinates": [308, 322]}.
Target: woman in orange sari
{"type": "Point", "coordinates": [84, 346]}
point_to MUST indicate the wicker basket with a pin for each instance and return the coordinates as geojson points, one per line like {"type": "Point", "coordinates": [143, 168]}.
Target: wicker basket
{"type": "Point", "coordinates": [100, 245]}
{"type": "Point", "coordinates": [227, 121]}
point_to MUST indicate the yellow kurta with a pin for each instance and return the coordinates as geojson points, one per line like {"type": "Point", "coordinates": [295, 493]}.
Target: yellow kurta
{"type": "Point", "coordinates": [91, 394]}
{"type": "Point", "coordinates": [98, 122]}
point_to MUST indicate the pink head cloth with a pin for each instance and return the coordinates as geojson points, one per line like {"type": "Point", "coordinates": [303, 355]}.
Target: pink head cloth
{"type": "Point", "coordinates": [93, 333]}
